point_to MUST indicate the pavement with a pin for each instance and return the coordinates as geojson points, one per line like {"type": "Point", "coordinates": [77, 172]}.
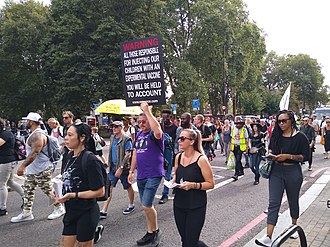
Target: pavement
{"type": "Point", "coordinates": [314, 216]}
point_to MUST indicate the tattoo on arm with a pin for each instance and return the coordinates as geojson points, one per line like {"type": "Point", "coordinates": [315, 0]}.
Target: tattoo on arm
{"type": "Point", "coordinates": [37, 142]}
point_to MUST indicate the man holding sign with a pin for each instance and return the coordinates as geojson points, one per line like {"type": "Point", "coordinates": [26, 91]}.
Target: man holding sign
{"type": "Point", "coordinates": [149, 161]}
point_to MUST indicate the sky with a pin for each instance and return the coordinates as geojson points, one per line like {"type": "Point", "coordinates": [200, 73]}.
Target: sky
{"type": "Point", "coordinates": [291, 27]}
{"type": "Point", "coordinates": [295, 26]}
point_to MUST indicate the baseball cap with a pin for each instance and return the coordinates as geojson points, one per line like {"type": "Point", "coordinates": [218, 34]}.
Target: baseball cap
{"type": "Point", "coordinates": [305, 118]}
{"type": "Point", "coordinates": [117, 123]}
{"type": "Point", "coordinates": [33, 116]}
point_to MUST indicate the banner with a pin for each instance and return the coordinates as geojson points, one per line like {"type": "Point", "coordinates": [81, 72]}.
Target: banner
{"type": "Point", "coordinates": [284, 103]}
{"type": "Point", "coordinates": [142, 69]}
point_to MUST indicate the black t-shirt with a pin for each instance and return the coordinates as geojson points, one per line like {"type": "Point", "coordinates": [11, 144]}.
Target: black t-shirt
{"type": "Point", "coordinates": [7, 153]}
{"type": "Point", "coordinates": [171, 130]}
{"type": "Point", "coordinates": [256, 140]}
{"type": "Point", "coordinates": [206, 132]}
{"type": "Point", "coordinates": [296, 145]}
{"type": "Point", "coordinates": [77, 180]}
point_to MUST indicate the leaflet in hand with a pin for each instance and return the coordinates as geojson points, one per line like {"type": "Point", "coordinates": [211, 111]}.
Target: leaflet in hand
{"type": "Point", "coordinates": [169, 185]}
{"type": "Point", "coordinates": [57, 185]}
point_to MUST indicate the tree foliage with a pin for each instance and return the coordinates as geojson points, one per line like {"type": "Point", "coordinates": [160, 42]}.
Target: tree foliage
{"type": "Point", "coordinates": [67, 56]}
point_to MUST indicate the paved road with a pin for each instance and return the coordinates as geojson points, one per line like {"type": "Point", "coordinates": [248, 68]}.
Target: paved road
{"type": "Point", "coordinates": [234, 214]}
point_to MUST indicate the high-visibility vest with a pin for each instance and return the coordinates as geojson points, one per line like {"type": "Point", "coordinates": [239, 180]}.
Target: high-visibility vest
{"type": "Point", "coordinates": [242, 140]}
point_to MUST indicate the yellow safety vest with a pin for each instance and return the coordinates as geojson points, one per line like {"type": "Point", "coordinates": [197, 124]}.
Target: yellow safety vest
{"type": "Point", "coordinates": [242, 140]}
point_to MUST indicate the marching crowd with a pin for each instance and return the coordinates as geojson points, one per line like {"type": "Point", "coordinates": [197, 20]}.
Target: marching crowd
{"type": "Point", "coordinates": [180, 150]}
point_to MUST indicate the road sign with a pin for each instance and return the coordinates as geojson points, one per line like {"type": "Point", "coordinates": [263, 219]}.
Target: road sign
{"type": "Point", "coordinates": [174, 108]}
{"type": "Point", "coordinates": [196, 104]}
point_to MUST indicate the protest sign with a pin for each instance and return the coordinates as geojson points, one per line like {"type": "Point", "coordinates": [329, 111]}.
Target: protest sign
{"type": "Point", "coordinates": [142, 69]}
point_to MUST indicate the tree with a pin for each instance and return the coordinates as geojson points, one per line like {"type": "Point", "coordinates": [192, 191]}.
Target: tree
{"type": "Point", "coordinates": [22, 28]}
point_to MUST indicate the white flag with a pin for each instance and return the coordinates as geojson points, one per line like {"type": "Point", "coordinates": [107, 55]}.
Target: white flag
{"type": "Point", "coordinates": [284, 103]}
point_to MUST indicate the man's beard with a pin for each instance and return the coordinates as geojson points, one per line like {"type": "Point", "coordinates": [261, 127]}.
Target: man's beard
{"type": "Point", "coordinates": [185, 124]}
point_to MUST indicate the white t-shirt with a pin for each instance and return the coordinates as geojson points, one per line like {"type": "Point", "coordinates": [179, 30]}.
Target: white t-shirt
{"type": "Point", "coordinates": [58, 133]}
{"type": "Point", "coordinates": [130, 131]}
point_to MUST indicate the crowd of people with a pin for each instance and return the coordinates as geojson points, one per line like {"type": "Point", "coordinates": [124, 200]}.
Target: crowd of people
{"type": "Point", "coordinates": [138, 145]}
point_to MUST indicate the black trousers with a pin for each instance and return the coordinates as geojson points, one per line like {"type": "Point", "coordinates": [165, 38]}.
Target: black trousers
{"type": "Point", "coordinates": [190, 223]}
{"type": "Point", "coordinates": [238, 160]}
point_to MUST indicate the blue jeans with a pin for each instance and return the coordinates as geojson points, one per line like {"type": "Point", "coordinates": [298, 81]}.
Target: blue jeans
{"type": "Point", "coordinates": [254, 163]}
{"type": "Point", "coordinates": [168, 172]}
{"type": "Point", "coordinates": [147, 190]}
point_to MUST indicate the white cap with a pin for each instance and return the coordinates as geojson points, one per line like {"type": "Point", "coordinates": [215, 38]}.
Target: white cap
{"type": "Point", "coordinates": [33, 116]}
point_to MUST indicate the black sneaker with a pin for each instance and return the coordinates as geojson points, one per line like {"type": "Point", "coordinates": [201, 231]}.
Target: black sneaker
{"type": "Point", "coordinates": [128, 210]}
{"type": "Point", "coordinates": [3, 212]}
{"type": "Point", "coordinates": [163, 200]}
{"type": "Point", "coordinates": [98, 233]}
{"type": "Point", "coordinates": [146, 239]}
{"type": "Point", "coordinates": [155, 242]}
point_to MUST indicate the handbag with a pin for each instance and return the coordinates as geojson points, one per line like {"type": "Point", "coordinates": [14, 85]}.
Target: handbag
{"type": "Point", "coordinates": [266, 168]}
{"type": "Point", "coordinates": [231, 161]}
{"type": "Point", "coordinates": [102, 142]}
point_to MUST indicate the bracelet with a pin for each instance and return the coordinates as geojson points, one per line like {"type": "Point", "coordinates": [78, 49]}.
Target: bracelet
{"type": "Point", "coordinates": [200, 186]}
{"type": "Point", "coordinates": [76, 197]}
{"type": "Point", "coordinates": [131, 172]}
{"type": "Point", "coordinates": [195, 186]}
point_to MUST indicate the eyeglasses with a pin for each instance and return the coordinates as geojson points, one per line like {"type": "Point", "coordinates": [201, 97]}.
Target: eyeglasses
{"type": "Point", "coordinates": [183, 138]}
{"type": "Point", "coordinates": [283, 121]}
{"type": "Point", "coordinates": [141, 121]}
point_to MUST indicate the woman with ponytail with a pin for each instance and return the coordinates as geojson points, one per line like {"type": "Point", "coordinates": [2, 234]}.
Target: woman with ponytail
{"type": "Point", "coordinates": [80, 188]}
{"type": "Point", "coordinates": [194, 175]}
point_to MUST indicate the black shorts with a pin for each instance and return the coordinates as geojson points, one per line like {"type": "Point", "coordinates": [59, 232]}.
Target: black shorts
{"type": "Point", "coordinates": [81, 222]}
{"type": "Point", "coordinates": [99, 153]}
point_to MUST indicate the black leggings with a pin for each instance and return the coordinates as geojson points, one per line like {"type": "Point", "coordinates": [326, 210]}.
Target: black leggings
{"type": "Point", "coordinates": [190, 223]}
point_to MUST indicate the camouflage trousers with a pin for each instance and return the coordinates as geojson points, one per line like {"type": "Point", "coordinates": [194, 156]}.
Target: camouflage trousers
{"type": "Point", "coordinates": [32, 181]}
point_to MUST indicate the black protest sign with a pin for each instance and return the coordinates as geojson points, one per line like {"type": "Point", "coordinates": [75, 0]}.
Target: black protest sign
{"type": "Point", "coordinates": [142, 68]}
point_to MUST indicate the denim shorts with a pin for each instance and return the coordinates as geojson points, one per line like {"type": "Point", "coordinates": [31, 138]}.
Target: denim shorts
{"type": "Point", "coordinates": [147, 190]}
{"type": "Point", "coordinates": [122, 177]}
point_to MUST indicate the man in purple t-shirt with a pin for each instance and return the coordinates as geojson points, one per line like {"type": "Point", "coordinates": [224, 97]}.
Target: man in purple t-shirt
{"type": "Point", "coordinates": [148, 158]}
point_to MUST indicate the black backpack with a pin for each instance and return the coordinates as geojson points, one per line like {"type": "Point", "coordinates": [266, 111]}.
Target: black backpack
{"type": "Point", "coordinates": [106, 180]}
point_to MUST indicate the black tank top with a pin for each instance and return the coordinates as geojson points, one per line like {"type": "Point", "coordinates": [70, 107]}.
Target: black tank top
{"type": "Point", "coordinates": [192, 198]}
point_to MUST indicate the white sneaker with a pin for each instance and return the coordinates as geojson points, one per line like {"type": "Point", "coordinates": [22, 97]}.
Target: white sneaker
{"type": "Point", "coordinates": [58, 212]}
{"type": "Point", "coordinates": [264, 241]}
{"type": "Point", "coordinates": [22, 217]}
{"type": "Point", "coordinates": [294, 235]}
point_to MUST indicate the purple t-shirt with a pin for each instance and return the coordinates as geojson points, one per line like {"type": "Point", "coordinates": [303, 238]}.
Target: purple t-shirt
{"type": "Point", "coordinates": [149, 157]}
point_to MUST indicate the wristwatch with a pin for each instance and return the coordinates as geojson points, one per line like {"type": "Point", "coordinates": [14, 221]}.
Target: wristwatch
{"type": "Point", "coordinates": [121, 167]}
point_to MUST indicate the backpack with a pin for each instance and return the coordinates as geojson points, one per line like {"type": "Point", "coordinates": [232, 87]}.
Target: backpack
{"type": "Point", "coordinates": [106, 180]}
{"type": "Point", "coordinates": [53, 149]}
{"type": "Point", "coordinates": [19, 149]}
{"type": "Point", "coordinates": [168, 147]}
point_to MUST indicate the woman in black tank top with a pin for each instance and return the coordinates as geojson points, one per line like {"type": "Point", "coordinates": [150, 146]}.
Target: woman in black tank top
{"type": "Point", "coordinates": [194, 175]}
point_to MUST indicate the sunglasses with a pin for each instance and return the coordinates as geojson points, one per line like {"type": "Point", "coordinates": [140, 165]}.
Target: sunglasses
{"type": "Point", "coordinates": [66, 117]}
{"type": "Point", "coordinates": [283, 121]}
{"type": "Point", "coordinates": [141, 121]}
{"type": "Point", "coordinates": [115, 126]}
{"type": "Point", "coordinates": [183, 138]}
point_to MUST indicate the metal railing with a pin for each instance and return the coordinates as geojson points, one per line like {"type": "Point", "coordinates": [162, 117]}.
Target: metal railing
{"type": "Point", "coordinates": [287, 233]}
